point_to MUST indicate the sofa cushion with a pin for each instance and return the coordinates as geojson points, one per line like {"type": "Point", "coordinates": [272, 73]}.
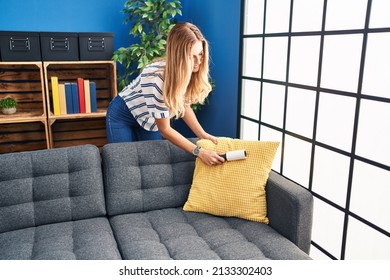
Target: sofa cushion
{"type": "Point", "coordinates": [235, 188]}
{"type": "Point", "coordinates": [175, 234]}
{"type": "Point", "coordinates": [48, 186]}
{"type": "Point", "coordinates": [147, 175]}
{"type": "Point", "coordinates": [90, 239]}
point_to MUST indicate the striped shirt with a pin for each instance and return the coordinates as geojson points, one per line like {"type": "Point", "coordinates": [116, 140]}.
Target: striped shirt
{"type": "Point", "coordinates": [144, 96]}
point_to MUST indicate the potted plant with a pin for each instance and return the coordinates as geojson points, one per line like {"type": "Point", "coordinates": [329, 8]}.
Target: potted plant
{"type": "Point", "coordinates": [152, 20]}
{"type": "Point", "coordinates": [8, 105]}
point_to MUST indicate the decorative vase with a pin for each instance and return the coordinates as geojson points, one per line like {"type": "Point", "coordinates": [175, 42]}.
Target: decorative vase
{"type": "Point", "coordinates": [8, 111]}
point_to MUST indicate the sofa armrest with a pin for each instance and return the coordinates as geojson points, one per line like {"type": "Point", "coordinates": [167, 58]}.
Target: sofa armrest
{"type": "Point", "coordinates": [290, 210]}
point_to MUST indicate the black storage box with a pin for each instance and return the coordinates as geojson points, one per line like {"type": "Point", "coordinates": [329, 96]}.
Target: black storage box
{"type": "Point", "coordinates": [96, 46]}
{"type": "Point", "coordinates": [59, 46]}
{"type": "Point", "coordinates": [20, 46]}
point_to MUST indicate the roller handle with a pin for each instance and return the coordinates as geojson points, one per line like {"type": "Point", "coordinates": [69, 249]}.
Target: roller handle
{"type": "Point", "coordinates": [234, 155]}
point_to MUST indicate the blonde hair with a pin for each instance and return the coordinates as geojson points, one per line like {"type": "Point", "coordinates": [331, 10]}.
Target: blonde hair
{"type": "Point", "coordinates": [181, 85]}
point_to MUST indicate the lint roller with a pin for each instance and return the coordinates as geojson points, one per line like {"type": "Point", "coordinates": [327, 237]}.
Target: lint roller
{"type": "Point", "coordinates": [234, 155]}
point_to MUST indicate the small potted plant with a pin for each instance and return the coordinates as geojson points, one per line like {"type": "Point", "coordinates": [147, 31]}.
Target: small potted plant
{"type": "Point", "coordinates": [8, 105]}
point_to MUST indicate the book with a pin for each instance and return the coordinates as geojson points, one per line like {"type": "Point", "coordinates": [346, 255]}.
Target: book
{"type": "Point", "coordinates": [80, 84]}
{"type": "Point", "coordinates": [55, 95]}
{"type": "Point", "coordinates": [75, 98]}
{"type": "Point", "coordinates": [68, 98]}
{"type": "Point", "coordinates": [61, 93]}
{"type": "Point", "coordinates": [87, 97]}
{"type": "Point", "coordinates": [92, 91]}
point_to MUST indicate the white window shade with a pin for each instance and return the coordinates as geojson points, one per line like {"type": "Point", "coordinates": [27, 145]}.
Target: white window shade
{"type": "Point", "coordinates": [251, 62]}
{"type": "Point", "coordinates": [278, 16]}
{"type": "Point", "coordinates": [297, 156]}
{"type": "Point", "coordinates": [380, 14]}
{"type": "Point", "coordinates": [250, 99]}
{"type": "Point", "coordinates": [300, 111]}
{"type": "Point", "coordinates": [269, 134]}
{"type": "Point", "coordinates": [365, 243]}
{"type": "Point", "coordinates": [275, 58]}
{"type": "Point", "coordinates": [336, 120]}
{"type": "Point", "coordinates": [330, 176]}
{"type": "Point", "coordinates": [374, 131]}
{"type": "Point", "coordinates": [304, 56]}
{"type": "Point", "coordinates": [370, 194]}
{"type": "Point", "coordinates": [376, 79]}
{"type": "Point", "coordinates": [341, 62]}
{"type": "Point", "coordinates": [307, 15]}
{"type": "Point", "coordinates": [254, 11]}
{"type": "Point", "coordinates": [249, 130]}
{"type": "Point", "coordinates": [345, 14]}
{"type": "Point", "coordinates": [328, 225]}
{"type": "Point", "coordinates": [272, 107]}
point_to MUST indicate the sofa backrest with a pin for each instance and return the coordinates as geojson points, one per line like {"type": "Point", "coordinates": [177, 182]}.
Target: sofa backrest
{"type": "Point", "coordinates": [147, 175]}
{"type": "Point", "coordinates": [48, 186]}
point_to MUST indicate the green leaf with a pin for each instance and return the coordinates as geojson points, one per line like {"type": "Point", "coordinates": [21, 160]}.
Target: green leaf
{"type": "Point", "coordinates": [150, 22]}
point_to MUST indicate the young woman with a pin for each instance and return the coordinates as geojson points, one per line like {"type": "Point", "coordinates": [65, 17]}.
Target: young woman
{"type": "Point", "coordinates": [166, 88]}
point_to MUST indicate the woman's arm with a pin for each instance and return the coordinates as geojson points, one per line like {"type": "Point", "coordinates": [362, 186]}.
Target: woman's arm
{"type": "Point", "coordinates": [206, 156]}
{"type": "Point", "coordinates": [192, 121]}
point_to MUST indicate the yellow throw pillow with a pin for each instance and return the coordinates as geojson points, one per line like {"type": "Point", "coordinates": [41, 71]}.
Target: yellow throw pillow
{"type": "Point", "coordinates": [234, 188]}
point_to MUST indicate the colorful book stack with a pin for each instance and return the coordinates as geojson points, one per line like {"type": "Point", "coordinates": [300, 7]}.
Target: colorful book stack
{"type": "Point", "coordinates": [73, 97]}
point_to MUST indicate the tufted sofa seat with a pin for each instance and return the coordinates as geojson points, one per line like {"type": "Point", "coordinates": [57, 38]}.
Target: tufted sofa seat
{"type": "Point", "coordinates": [52, 206]}
{"type": "Point", "coordinates": [146, 185]}
{"type": "Point", "coordinates": [126, 203]}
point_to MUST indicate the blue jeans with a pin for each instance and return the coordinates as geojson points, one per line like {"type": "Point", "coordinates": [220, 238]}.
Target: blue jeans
{"type": "Point", "coordinates": [121, 126]}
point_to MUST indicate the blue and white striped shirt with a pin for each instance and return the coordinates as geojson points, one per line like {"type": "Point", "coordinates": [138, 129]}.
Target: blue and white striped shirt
{"type": "Point", "coordinates": [144, 96]}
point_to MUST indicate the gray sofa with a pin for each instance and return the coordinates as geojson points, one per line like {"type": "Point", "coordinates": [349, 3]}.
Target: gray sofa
{"type": "Point", "coordinates": [126, 203]}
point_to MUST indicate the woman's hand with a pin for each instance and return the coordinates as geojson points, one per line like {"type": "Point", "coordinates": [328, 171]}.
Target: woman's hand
{"type": "Point", "coordinates": [210, 137]}
{"type": "Point", "coordinates": [210, 158]}
{"type": "Point", "coordinates": [193, 123]}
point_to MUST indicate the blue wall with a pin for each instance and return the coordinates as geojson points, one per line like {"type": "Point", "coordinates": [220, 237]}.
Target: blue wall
{"type": "Point", "coordinates": [66, 16]}
{"type": "Point", "coordinates": [219, 20]}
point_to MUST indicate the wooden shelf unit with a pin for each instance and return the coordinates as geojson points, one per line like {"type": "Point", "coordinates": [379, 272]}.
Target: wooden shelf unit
{"type": "Point", "coordinates": [27, 129]}
{"type": "Point", "coordinates": [34, 126]}
{"type": "Point", "coordinates": [73, 132]}
{"type": "Point", "coordinates": [77, 129]}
